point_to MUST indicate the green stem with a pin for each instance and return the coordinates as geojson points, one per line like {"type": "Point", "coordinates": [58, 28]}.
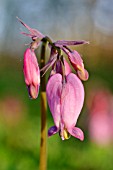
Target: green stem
{"type": "Point", "coordinates": [43, 142]}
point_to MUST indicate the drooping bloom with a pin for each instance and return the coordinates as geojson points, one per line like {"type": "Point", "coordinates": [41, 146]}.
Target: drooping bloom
{"type": "Point", "coordinates": [31, 73]}
{"type": "Point", "coordinates": [65, 101]}
{"type": "Point", "coordinates": [77, 63]}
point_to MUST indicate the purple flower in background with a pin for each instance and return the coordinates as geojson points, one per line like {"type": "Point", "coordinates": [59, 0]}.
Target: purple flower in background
{"type": "Point", "coordinates": [65, 101]}
{"type": "Point", "coordinates": [31, 73]}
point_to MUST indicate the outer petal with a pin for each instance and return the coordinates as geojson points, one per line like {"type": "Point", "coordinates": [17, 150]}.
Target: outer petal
{"type": "Point", "coordinates": [31, 68]}
{"type": "Point", "coordinates": [72, 99]}
{"type": "Point", "coordinates": [35, 70]}
{"type": "Point", "coordinates": [53, 91]}
{"type": "Point", "coordinates": [74, 58]}
{"type": "Point", "coordinates": [27, 66]}
{"type": "Point", "coordinates": [77, 133]}
{"type": "Point", "coordinates": [31, 73]}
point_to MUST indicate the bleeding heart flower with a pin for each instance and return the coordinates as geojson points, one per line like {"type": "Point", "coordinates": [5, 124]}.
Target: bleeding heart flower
{"type": "Point", "coordinates": [65, 101]}
{"type": "Point", "coordinates": [31, 73]}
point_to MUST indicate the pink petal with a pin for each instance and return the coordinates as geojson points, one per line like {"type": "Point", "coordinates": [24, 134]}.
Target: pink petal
{"type": "Point", "coordinates": [31, 68]}
{"type": "Point", "coordinates": [35, 70]}
{"type": "Point", "coordinates": [27, 66]}
{"type": "Point", "coordinates": [31, 73]}
{"type": "Point", "coordinates": [72, 99]}
{"type": "Point", "coordinates": [75, 59]}
{"type": "Point", "coordinates": [77, 133]}
{"type": "Point", "coordinates": [53, 91]}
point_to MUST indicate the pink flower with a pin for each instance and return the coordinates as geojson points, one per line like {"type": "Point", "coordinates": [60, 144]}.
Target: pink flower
{"type": "Point", "coordinates": [65, 101]}
{"type": "Point", "coordinates": [77, 63]}
{"type": "Point", "coordinates": [31, 73]}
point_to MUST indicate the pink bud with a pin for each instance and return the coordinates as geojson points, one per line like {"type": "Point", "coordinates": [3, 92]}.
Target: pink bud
{"type": "Point", "coordinates": [31, 73]}
{"type": "Point", "coordinates": [77, 63]}
{"type": "Point", "coordinates": [65, 102]}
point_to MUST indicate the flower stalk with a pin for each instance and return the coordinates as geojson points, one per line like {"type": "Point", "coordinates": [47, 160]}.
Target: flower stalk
{"type": "Point", "coordinates": [43, 141]}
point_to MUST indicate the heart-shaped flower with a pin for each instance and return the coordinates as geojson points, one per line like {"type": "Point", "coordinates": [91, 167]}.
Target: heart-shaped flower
{"type": "Point", "coordinates": [65, 101]}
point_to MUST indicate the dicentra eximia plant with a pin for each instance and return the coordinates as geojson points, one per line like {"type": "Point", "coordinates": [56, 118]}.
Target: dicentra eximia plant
{"type": "Point", "coordinates": [64, 89]}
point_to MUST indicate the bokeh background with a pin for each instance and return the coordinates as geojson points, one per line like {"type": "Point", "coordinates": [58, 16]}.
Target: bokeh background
{"type": "Point", "coordinates": [91, 20]}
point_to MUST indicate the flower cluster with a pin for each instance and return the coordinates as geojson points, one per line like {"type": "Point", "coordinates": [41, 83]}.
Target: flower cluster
{"type": "Point", "coordinates": [65, 91]}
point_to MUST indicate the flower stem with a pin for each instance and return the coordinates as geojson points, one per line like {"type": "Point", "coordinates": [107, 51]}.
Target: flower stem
{"type": "Point", "coordinates": [43, 142]}
{"type": "Point", "coordinates": [52, 44]}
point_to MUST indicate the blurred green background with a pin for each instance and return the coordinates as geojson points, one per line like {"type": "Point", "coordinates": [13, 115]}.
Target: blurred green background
{"type": "Point", "coordinates": [90, 20]}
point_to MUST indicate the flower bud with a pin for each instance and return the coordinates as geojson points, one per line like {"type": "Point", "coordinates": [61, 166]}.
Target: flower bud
{"type": "Point", "coordinates": [77, 63]}
{"type": "Point", "coordinates": [31, 73]}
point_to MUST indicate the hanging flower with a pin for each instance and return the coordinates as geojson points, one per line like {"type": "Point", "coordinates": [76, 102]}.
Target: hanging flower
{"type": "Point", "coordinates": [65, 101]}
{"type": "Point", "coordinates": [31, 73]}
